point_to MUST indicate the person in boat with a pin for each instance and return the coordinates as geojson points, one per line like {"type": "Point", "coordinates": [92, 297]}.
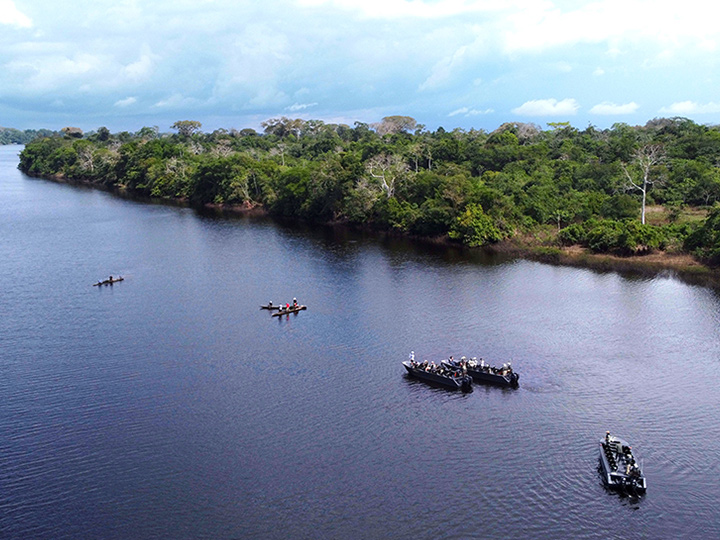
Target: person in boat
{"type": "Point", "coordinates": [287, 306]}
{"type": "Point", "coordinates": [412, 356]}
{"type": "Point", "coordinates": [295, 304]}
{"type": "Point", "coordinates": [607, 436]}
{"type": "Point", "coordinates": [270, 303]}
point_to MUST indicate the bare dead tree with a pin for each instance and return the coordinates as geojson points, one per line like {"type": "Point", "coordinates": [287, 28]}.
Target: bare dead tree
{"type": "Point", "coordinates": [86, 159]}
{"type": "Point", "coordinates": [644, 159]}
{"type": "Point", "coordinates": [387, 169]}
{"type": "Point", "coordinates": [395, 124]}
{"type": "Point", "coordinates": [222, 149]}
{"type": "Point", "coordinates": [279, 150]}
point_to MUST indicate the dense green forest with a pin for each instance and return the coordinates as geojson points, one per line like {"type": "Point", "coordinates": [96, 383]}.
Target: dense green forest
{"type": "Point", "coordinates": [626, 190]}
{"type": "Point", "coordinates": [15, 136]}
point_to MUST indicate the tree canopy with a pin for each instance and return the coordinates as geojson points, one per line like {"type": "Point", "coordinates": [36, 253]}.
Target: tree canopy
{"type": "Point", "coordinates": [470, 186]}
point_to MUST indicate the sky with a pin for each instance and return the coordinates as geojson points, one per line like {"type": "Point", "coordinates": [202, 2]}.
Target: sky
{"type": "Point", "coordinates": [125, 64]}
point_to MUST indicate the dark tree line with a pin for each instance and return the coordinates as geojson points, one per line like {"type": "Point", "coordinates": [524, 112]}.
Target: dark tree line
{"type": "Point", "coordinates": [590, 187]}
{"type": "Point", "coordinates": [16, 136]}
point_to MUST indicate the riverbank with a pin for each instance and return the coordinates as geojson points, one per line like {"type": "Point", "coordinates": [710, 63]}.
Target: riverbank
{"type": "Point", "coordinates": [540, 247]}
{"type": "Point", "coordinates": [682, 266]}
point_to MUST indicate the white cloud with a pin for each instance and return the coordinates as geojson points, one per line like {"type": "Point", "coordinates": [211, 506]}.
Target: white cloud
{"type": "Point", "coordinates": [467, 111]}
{"type": "Point", "coordinates": [547, 107]}
{"type": "Point", "coordinates": [691, 107]}
{"type": "Point", "coordinates": [50, 72]}
{"type": "Point", "coordinates": [391, 9]}
{"type": "Point", "coordinates": [442, 71]}
{"type": "Point", "coordinates": [299, 106]}
{"type": "Point", "coordinates": [126, 102]}
{"type": "Point", "coordinates": [140, 69]}
{"type": "Point", "coordinates": [177, 101]}
{"type": "Point", "coordinates": [550, 24]}
{"type": "Point", "coordinates": [12, 16]}
{"type": "Point", "coordinates": [608, 108]}
{"type": "Point", "coordinates": [599, 72]}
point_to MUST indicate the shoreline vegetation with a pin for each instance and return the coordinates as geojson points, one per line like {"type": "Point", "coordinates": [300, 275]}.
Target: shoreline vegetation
{"type": "Point", "coordinates": [640, 200]}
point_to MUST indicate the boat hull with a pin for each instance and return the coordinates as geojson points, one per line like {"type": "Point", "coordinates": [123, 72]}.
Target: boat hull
{"type": "Point", "coordinates": [453, 383]}
{"type": "Point", "coordinates": [510, 381]}
{"type": "Point", "coordinates": [486, 375]}
{"type": "Point", "coordinates": [108, 282]}
{"type": "Point", "coordinates": [288, 311]}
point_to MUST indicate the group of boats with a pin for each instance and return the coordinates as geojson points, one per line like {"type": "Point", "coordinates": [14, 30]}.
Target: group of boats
{"type": "Point", "coordinates": [460, 374]}
{"type": "Point", "coordinates": [284, 309]}
{"type": "Point", "coordinates": [618, 465]}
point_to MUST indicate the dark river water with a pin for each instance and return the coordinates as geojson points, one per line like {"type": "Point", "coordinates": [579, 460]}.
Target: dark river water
{"type": "Point", "coordinates": [170, 406]}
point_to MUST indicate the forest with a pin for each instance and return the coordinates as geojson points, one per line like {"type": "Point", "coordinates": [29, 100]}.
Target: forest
{"type": "Point", "coordinates": [626, 190]}
{"type": "Point", "coordinates": [16, 136]}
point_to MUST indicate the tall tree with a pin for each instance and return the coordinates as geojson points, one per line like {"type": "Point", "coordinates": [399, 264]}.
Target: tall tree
{"type": "Point", "coordinates": [395, 124]}
{"type": "Point", "coordinates": [283, 127]}
{"type": "Point", "coordinates": [644, 159]}
{"type": "Point", "coordinates": [186, 127]}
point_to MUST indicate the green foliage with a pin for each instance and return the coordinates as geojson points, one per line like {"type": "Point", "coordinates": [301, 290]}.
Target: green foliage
{"type": "Point", "coordinates": [474, 187]}
{"type": "Point", "coordinates": [620, 206]}
{"type": "Point", "coordinates": [626, 237]}
{"type": "Point", "coordinates": [186, 127]}
{"type": "Point", "coordinates": [475, 228]}
{"type": "Point", "coordinates": [15, 136]}
{"type": "Point", "coordinates": [705, 241]}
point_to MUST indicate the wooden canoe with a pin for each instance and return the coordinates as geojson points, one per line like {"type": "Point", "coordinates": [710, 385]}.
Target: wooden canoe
{"type": "Point", "coordinates": [288, 311]}
{"type": "Point", "coordinates": [108, 281]}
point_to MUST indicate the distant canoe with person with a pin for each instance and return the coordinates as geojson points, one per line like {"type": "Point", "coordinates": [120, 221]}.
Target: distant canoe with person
{"type": "Point", "coordinates": [109, 281]}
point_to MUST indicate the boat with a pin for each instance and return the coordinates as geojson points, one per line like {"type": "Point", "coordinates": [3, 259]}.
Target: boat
{"type": "Point", "coordinates": [450, 378]}
{"type": "Point", "coordinates": [619, 466]}
{"type": "Point", "coordinates": [270, 306]}
{"type": "Point", "coordinates": [109, 281]}
{"type": "Point", "coordinates": [482, 372]}
{"type": "Point", "coordinates": [287, 311]}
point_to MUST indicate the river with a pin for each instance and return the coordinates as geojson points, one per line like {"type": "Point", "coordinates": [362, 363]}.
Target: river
{"type": "Point", "coordinates": [170, 406]}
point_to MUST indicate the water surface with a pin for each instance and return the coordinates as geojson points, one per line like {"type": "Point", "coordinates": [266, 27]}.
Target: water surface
{"type": "Point", "coordinates": [170, 406]}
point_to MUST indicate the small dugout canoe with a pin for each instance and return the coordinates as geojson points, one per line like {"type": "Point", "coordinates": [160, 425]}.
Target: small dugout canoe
{"type": "Point", "coordinates": [288, 311]}
{"type": "Point", "coordinates": [108, 281]}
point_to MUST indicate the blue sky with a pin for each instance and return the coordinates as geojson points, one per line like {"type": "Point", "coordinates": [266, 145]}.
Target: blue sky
{"type": "Point", "coordinates": [126, 64]}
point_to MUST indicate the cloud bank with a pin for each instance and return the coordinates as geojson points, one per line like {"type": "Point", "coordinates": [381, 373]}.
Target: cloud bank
{"type": "Point", "coordinates": [547, 107]}
{"type": "Point", "coordinates": [690, 108]}
{"type": "Point", "coordinates": [234, 64]}
{"type": "Point", "coordinates": [608, 108]}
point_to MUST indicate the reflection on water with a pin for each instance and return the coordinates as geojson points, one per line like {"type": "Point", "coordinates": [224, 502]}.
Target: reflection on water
{"type": "Point", "coordinates": [170, 405]}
